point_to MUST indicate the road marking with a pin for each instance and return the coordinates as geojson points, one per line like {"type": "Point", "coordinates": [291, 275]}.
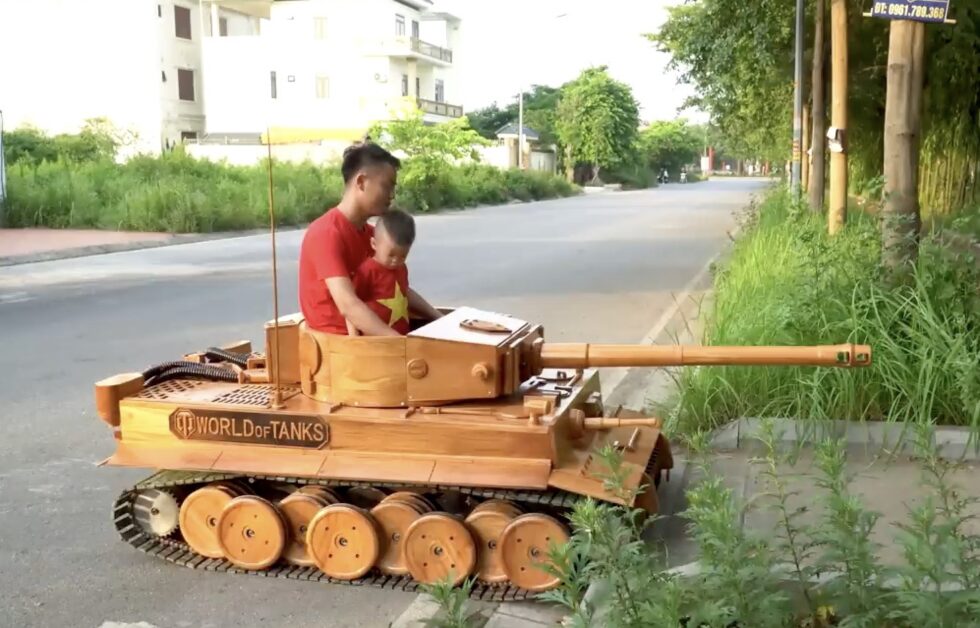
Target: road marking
{"type": "Point", "coordinates": [15, 297]}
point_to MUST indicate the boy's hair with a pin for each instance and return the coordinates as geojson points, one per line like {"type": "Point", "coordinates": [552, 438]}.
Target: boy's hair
{"type": "Point", "coordinates": [363, 154]}
{"type": "Point", "coordinates": [399, 225]}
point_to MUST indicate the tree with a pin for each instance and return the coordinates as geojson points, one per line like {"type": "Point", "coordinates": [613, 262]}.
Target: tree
{"type": "Point", "coordinates": [738, 57]}
{"type": "Point", "coordinates": [670, 144]}
{"type": "Point", "coordinates": [428, 148]}
{"type": "Point", "coordinates": [596, 120]}
{"type": "Point", "coordinates": [487, 120]}
{"type": "Point", "coordinates": [539, 114]}
{"type": "Point", "coordinates": [900, 216]}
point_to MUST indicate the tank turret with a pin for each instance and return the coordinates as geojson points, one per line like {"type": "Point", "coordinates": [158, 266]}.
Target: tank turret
{"type": "Point", "coordinates": [471, 354]}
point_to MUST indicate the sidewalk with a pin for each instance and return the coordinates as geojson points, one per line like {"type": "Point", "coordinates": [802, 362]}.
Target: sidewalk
{"type": "Point", "coordinates": [885, 481]}
{"type": "Point", "coordinates": [18, 246]}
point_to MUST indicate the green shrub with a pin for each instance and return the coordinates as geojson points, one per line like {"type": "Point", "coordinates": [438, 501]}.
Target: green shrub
{"type": "Point", "coordinates": [789, 283]}
{"type": "Point", "coordinates": [178, 193]}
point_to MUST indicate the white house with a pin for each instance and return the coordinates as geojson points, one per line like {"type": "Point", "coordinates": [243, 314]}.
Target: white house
{"type": "Point", "coordinates": [136, 62]}
{"type": "Point", "coordinates": [328, 69]}
{"type": "Point", "coordinates": [170, 70]}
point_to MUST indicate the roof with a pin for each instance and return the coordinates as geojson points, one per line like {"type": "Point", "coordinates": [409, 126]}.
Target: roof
{"type": "Point", "coordinates": [511, 129]}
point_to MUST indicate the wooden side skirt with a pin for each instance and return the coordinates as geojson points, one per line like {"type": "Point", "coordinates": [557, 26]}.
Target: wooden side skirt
{"type": "Point", "coordinates": [514, 473]}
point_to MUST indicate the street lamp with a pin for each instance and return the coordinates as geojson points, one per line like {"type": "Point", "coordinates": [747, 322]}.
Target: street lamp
{"type": "Point", "coordinates": [520, 114]}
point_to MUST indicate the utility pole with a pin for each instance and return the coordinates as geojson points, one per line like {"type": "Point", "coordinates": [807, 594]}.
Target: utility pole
{"type": "Point", "coordinates": [818, 143]}
{"type": "Point", "coordinates": [520, 131]}
{"type": "Point", "coordinates": [838, 112]}
{"type": "Point", "coordinates": [797, 103]}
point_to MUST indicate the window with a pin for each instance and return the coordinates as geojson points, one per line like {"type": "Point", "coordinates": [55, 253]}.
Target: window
{"type": "Point", "coordinates": [418, 87]}
{"type": "Point", "coordinates": [322, 86]}
{"type": "Point", "coordinates": [404, 85]}
{"type": "Point", "coordinates": [415, 29]}
{"type": "Point", "coordinates": [222, 27]}
{"type": "Point", "coordinates": [399, 24]}
{"type": "Point", "coordinates": [185, 84]}
{"type": "Point", "coordinates": [188, 135]}
{"type": "Point", "coordinates": [182, 22]}
{"type": "Point", "coordinates": [272, 80]}
{"type": "Point", "coordinates": [440, 91]}
{"type": "Point", "coordinates": [159, 11]}
{"type": "Point", "coordinates": [319, 28]}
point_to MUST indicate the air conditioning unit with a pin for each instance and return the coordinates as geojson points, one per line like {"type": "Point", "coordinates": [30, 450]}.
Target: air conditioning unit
{"type": "Point", "coordinates": [381, 78]}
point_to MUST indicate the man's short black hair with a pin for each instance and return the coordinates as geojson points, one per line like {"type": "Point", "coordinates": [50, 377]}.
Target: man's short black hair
{"type": "Point", "coordinates": [363, 154]}
{"type": "Point", "coordinates": [399, 225]}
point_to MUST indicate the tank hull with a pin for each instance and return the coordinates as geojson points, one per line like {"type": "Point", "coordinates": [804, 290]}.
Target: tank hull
{"type": "Point", "coordinates": [197, 434]}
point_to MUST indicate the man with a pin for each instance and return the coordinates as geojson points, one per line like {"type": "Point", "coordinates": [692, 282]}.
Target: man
{"type": "Point", "coordinates": [337, 242]}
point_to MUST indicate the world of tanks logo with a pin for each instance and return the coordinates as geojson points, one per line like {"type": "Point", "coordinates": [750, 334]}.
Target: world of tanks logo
{"type": "Point", "coordinates": [306, 431]}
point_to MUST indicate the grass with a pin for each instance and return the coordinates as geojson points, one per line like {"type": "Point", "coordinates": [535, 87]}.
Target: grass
{"type": "Point", "coordinates": [179, 194]}
{"type": "Point", "coordinates": [788, 283]}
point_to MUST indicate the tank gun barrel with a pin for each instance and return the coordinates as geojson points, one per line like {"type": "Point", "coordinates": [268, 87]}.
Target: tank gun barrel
{"type": "Point", "coordinates": [583, 355]}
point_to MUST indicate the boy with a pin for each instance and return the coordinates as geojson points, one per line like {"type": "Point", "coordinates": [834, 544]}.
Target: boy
{"type": "Point", "coordinates": [381, 281]}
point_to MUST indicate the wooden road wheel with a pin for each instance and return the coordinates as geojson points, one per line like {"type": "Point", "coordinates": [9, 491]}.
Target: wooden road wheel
{"type": "Point", "coordinates": [326, 493]}
{"type": "Point", "coordinates": [366, 497]}
{"type": "Point", "coordinates": [419, 500]}
{"type": "Point", "coordinates": [487, 521]}
{"type": "Point", "coordinates": [524, 546]}
{"type": "Point", "coordinates": [436, 545]}
{"type": "Point", "coordinates": [394, 515]}
{"type": "Point", "coordinates": [343, 541]}
{"type": "Point", "coordinates": [199, 514]}
{"type": "Point", "coordinates": [298, 509]}
{"type": "Point", "coordinates": [251, 532]}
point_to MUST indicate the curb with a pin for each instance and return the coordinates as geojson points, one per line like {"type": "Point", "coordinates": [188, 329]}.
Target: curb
{"type": "Point", "coordinates": [951, 442]}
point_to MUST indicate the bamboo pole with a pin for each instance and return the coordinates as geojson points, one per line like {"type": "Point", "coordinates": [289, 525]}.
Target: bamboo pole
{"type": "Point", "coordinates": [838, 158]}
{"type": "Point", "coordinates": [805, 175]}
{"type": "Point", "coordinates": [818, 169]}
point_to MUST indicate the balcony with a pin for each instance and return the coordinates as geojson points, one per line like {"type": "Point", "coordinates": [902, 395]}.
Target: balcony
{"type": "Point", "coordinates": [440, 108]}
{"type": "Point", "coordinates": [431, 50]}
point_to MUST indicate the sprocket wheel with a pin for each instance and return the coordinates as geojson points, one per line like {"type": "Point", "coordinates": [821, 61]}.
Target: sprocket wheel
{"type": "Point", "coordinates": [156, 512]}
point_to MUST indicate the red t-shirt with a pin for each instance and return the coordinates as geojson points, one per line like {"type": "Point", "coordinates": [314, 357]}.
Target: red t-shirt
{"type": "Point", "coordinates": [332, 247]}
{"type": "Point", "coordinates": [385, 291]}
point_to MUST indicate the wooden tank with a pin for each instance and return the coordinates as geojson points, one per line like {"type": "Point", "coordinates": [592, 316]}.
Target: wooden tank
{"type": "Point", "coordinates": [452, 452]}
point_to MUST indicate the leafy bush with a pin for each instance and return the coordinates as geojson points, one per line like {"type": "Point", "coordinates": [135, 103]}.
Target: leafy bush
{"type": "Point", "coordinates": [741, 581]}
{"type": "Point", "coordinates": [177, 193]}
{"type": "Point", "coordinates": [789, 283]}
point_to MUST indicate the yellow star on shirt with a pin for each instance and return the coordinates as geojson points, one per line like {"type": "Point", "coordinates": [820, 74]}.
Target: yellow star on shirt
{"type": "Point", "coordinates": [398, 305]}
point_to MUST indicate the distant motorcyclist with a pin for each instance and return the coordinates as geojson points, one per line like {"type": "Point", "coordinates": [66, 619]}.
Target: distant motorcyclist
{"type": "Point", "coordinates": [663, 177]}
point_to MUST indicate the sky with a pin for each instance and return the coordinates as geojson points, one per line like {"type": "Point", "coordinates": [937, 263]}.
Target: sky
{"type": "Point", "coordinates": [604, 32]}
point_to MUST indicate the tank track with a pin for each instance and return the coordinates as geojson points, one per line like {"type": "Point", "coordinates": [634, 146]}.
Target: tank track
{"type": "Point", "coordinates": [174, 550]}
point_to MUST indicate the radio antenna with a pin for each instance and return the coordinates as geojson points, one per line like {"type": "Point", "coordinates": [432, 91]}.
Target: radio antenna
{"type": "Point", "coordinates": [277, 403]}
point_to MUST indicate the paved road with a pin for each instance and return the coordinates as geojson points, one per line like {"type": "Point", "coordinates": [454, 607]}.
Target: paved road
{"type": "Point", "coordinates": [598, 267]}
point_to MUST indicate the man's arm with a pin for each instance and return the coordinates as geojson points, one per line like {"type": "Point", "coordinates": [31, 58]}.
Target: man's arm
{"type": "Point", "coordinates": [420, 305]}
{"type": "Point", "coordinates": [354, 310]}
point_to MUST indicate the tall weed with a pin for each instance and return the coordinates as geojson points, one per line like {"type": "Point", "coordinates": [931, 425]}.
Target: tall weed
{"type": "Point", "coordinates": [788, 283]}
{"type": "Point", "coordinates": [829, 561]}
